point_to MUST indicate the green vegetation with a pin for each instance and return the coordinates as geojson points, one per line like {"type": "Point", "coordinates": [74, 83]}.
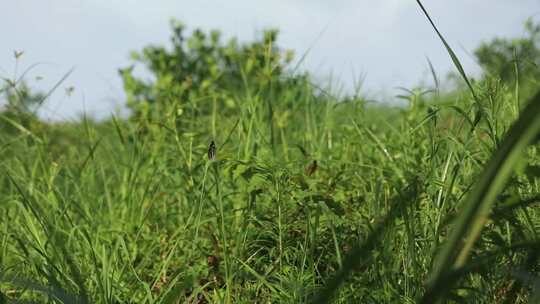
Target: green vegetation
{"type": "Point", "coordinates": [310, 197]}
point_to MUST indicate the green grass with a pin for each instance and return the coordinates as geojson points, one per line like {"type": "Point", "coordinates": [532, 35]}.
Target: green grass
{"type": "Point", "coordinates": [433, 201]}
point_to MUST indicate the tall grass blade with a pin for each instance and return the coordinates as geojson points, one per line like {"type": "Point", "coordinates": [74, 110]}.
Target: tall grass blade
{"type": "Point", "coordinates": [455, 59]}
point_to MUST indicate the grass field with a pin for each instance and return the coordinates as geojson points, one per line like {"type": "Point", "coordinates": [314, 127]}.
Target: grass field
{"type": "Point", "coordinates": [310, 198]}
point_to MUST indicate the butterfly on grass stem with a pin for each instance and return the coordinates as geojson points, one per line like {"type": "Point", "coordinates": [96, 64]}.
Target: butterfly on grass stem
{"type": "Point", "coordinates": [212, 151]}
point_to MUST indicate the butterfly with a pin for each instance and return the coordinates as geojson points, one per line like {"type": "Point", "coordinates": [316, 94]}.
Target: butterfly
{"type": "Point", "coordinates": [212, 151]}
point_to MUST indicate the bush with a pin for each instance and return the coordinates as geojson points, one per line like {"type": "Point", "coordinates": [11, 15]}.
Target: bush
{"type": "Point", "coordinates": [200, 69]}
{"type": "Point", "coordinates": [507, 58]}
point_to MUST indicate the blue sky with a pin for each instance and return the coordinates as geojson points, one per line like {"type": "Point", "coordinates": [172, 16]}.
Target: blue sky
{"type": "Point", "coordinates": [386, 42]}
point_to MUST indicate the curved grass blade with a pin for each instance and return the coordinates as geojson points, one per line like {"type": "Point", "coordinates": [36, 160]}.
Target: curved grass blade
{"type": "Point", "coordinates": [483, 195]}
{"type": "Point", "coordinates": [455, 59]}
{"type": "Point", "coordinates": [459, 67]}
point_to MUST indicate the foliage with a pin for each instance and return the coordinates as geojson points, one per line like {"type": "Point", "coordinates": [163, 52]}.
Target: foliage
{"type": "Point", "coordinates": [20, 103]}
{"type": "Point", "coordinates": [200, 69]}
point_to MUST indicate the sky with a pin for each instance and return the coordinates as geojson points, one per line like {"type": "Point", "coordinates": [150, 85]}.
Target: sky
{"type": "Point", "coordinates": [385, 43]}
